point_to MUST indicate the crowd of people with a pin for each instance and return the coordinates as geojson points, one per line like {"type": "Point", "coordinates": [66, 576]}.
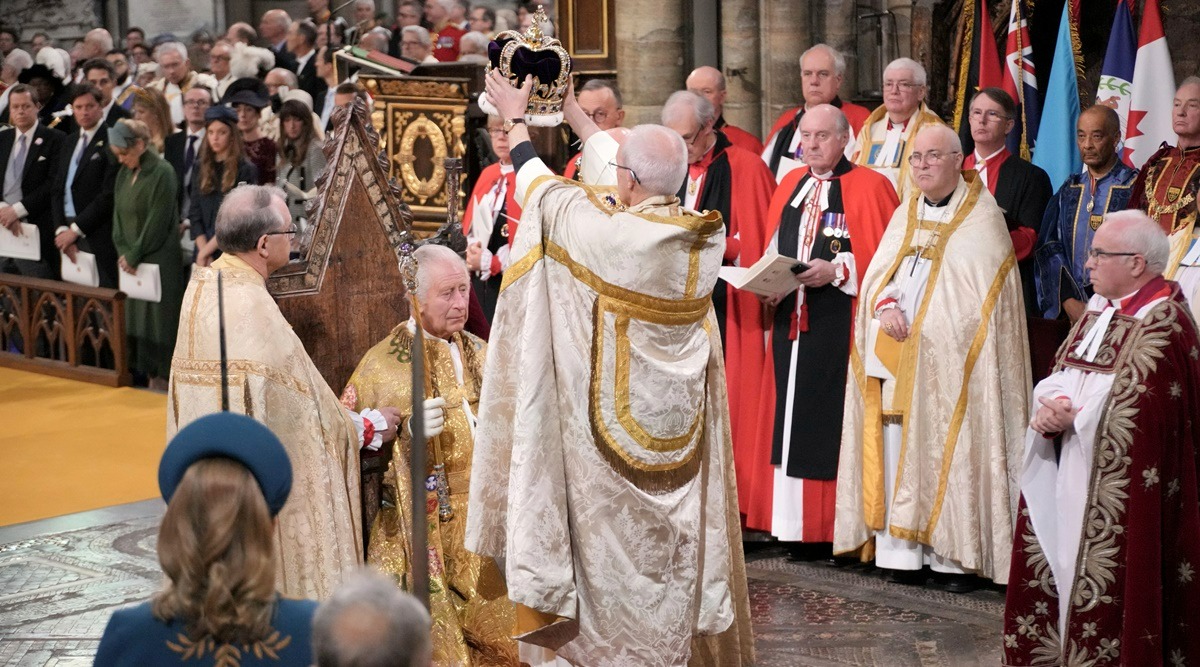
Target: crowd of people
{"type": "Point", "coordinates": [964, 373]}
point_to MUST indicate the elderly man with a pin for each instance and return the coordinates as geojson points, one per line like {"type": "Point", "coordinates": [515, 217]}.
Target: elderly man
{"type": "Point", "coordinates": [936, 405]}
{"type": "Point", "coordinates": [272, 379]}
{"type": "Point", "coordinates": [415, 44]}
{"type": "Point", "coordinates": [885, 141]}
{"type": "Point", "coordinates": [82, 198]}
{"type": "Point", "coordinates": [472, 48]}
{"type": "Point", "coordinates": [219, 59]}
{"type": "Point", "coordinates": [273, 29]}
{"type": "Point", "coordinates": [709, 83]}
{"type": "Point", "coordinates": [725, 179]}
{"type": "Point", "coordinates": [829, 214]}
{"type": "Point", "coordinates": [822, 69]}
{"type": "Point", "coordinates": [177, 77]}
{"type": "Point", "coordinates": [241, 32]}
{"type": "Point", "coordinates": [369, 623]}
{"type": "Point", "coordinates": [578, 475]}
{"type": "Point", "coordinates": [446, 29]}
{"type": "Point", "coordinates": [467, 595]}
{"type": "Point", "coordinates": [1021, 189]}
{"type": "Point", "coordinates": [1168, 186]}
{"type": "Point", "coordinates": [490, 220]}
{"type": "Point", "coordinates": [601, 102]}
{"type": "Point", "coordinates": [1108, 534]}
{"type": "Point", "coordinates": [29, 155]}
{"type": "Point", "coordinates": [96, 44]}
{"type": "Point", "coordinates": [1076, 211]}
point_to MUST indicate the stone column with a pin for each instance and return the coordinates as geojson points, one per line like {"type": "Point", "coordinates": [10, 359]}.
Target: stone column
{"type": "Point", "coordinates": [650, 48]}
{"type": "Point", "coordinates": [740, 61]}
{"type": "Point", "coordinates": [784, 33]}
{"type": "Point", "coordinates": [838, 30]}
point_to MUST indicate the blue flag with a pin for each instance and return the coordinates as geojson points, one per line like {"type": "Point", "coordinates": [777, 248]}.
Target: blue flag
{"type": "Point", "coordinates": [1115, 89]}
{"type": "Point", "coordinates": [1056, 151]}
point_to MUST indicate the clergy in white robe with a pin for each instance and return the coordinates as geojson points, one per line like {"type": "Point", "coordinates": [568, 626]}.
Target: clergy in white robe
{"type": "Point", "coordinates": [886, 139]}
{"type": "Point", "coordinates": [602, 472]}
{"type": "Point", "coordinates": [318, 535]}
{"type": "Point", "coordinates": [936, 404]}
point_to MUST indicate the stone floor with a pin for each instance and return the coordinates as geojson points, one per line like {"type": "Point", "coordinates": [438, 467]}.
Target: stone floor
{"type": "Point", "coordinates": [61, 578]}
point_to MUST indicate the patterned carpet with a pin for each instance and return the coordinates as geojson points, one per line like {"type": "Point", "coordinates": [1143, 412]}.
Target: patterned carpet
{"type": "Point", "coordinates": [60, 579]}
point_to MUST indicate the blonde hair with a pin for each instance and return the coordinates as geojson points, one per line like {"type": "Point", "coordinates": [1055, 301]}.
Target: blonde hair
{"type": "Point", "coordinates": [156, 106]}
{"type": "Point", "coordinates": [215, 546]}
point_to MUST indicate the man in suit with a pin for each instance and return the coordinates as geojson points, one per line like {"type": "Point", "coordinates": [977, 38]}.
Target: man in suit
{"type": "Point", "coordinates": [273, 29]}
{"type": "Point", "coordinates": [182, 150]}
{"type": "Point", "coordinates": [100, 74]}
{"type": "Point", "coordinates": [29, 154]}
{"type": "Point", "coordinates": [301, 41]}
{"type": "Point", "coordinates": [82, 197]}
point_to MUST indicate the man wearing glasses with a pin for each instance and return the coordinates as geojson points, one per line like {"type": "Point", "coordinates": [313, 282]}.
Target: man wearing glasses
{"type": "Point", "coordinates": [885, 142]}
{"type": "Point", "coordinates": [1107, 531]}
{"type": "Point", "coordinates": [602, 473]}
{"type": "Point", "coordinates": [272, 379]}
{"type": "Point", "coordinates": [600, 100]}
{"type": "Point", "coordinates": [936, 406]}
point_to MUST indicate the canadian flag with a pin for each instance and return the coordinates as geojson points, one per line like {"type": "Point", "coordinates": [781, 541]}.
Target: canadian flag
{"type": "Point", "coordinates": [1149, 121]}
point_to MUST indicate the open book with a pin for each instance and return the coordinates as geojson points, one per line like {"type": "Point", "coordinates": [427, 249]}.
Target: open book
{"type": "Point", "coordinates": [769, 276]}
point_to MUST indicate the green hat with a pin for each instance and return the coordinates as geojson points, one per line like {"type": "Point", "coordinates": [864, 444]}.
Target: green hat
{"type": "Point", "coordinates": [121, 135]}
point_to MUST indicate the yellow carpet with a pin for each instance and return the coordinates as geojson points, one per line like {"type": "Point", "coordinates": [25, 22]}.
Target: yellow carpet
{"type": "Point", "coordinates": [69, 446]}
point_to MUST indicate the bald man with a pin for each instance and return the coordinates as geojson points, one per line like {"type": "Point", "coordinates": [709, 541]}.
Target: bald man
{"type": "Point", "coordinates": [936, 406]}
{"type": "Point", "coordinates": [822, 70]}
{"type": "Point", "coordinates": [709, 83]}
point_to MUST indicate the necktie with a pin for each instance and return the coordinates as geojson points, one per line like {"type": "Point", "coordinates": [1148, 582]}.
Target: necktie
{"type": "Point", "coordinates": [12, 180]}
{"type": "Point", "coordinates": [189, 155]}
{"type": "Point", "coordinates": [69, 203]}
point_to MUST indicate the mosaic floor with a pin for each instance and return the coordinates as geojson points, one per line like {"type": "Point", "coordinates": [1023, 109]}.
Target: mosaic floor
{"type": "Point", "coordinates": [61, 578]}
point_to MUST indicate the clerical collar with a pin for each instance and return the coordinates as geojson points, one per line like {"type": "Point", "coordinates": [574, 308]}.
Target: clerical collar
{"type": "Point", "coordinates": [506, 168]}
{"type": "Point", "coordinates": [941, 203]}
{"type": "Point", "coordinates": [823, 176]}
{"type": "Point", "coordinates": [903, 126]}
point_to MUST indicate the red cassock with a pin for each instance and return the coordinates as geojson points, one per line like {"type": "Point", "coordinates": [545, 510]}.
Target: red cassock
{"type": "Point", "coordinates": [737, 183]}
{"type": "Point", "coordinates": [868, 201]}
{"type": "Point", "coordinates": [572, 168]}
{"type": "Point", "coordinates": [742, 139]}
{"type": "Point", "coordinates": [486, 193]}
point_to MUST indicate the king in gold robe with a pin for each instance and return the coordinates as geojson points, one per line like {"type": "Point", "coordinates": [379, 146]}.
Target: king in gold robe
{"type": "Point", "coordinates": [472, 615]}
{"type": "Point", "coordinates": [929, 456]}
{"type": "Point", "coordinates": [318, 536]}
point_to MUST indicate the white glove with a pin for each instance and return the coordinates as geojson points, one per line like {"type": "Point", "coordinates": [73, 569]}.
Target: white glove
{"type": "Point", "coordinates": [435, 417]}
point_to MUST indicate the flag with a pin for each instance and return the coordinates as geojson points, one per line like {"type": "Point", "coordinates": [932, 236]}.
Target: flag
{"type": "Point", "coordinates": [1020, 82]}
{"type": "Point", "coordinates": [1115, 89]}
{"type": "Point", "coordinates": [1149, 122]}
{"type": "Point", "coordinates": [1056, 151]}
{"type": "Point", "coordinates": [979, 65]}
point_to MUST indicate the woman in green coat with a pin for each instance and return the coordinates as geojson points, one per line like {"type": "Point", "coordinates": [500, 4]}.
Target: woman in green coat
{"type": "Point", "coordinates": [146, 231]}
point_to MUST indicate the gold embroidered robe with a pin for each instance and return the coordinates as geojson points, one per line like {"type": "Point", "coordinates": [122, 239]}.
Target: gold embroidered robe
{"type": "Point", "coordinates": [605, 479]}
{"type": "Point", "coordinates": [960, 392]}
{"type": "Point", "coordinates": [872, 137]}
{"type": "Point", "coordinates": [472, 616]}
{"type": "Point", "coordinates": [318, 536]}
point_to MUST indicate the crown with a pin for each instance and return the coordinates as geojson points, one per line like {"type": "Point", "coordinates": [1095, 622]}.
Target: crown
{"type": "Point", "coordinates": [517, 55]}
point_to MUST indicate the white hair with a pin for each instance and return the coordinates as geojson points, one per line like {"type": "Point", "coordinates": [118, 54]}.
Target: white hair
{"type": "Point", "coordinates": [473, 42]}
{"type": "Point", "coordinates": [289, 77]}
{"type": "Point", "coordinates": [947, 134]}
{"type": "Point", "coordinates": [102, 39]}
{"type": "Point", "coordinates": [1190, 81]}
{"type": "Point", "coordinates": [1143, 235]}
{"type": "Point", "coordinates": [658, 156]}
{"type": "Point", "coordinates": [420, 32]}
{"type": "Point", "coordinates": [839, 61]}
{"type": "Point", "coordinates": [369, 621]}
{"type": "Point", "coordinates": [365, 3]}
{"type": "Point", "coordinates": [685, 101]}
{"type": "Point", "coordinates": [429, 256]}
{"type": "Point", "coordinates": [167, 47]}
{"type": "Point", "coordinates": [918, 71]}
{"type": "Point", "coordinates": [19, 59]}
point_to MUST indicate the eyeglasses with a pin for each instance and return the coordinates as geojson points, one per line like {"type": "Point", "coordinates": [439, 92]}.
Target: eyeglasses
{"type": "Point", "coordinates": [597, 116]}
{"type": "Point", "coordinates": [899, 85]}
{"type": "Point", "coordinates": [932, 157]}
{"type": "Point", "coordinates": [221, 58]}
{"type": "Point", "coordinates": [197, 103]}
{"type": "Point", "coordinates": [497, 132]}
{"type": "Point", "coordinates": [990, 115]}
{"type": "Point", "coordinates": [632, 173]}
{"type": "Point", "coordinates": [1096, 253]}
{"type": "Point", "coordinates": [691, 140]}
{"type": "Point", "coordinates": [293, 230]}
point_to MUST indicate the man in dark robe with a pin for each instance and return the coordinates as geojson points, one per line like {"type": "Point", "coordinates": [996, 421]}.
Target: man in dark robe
{"type": "Point", "coordinates": [1107, 538]}
{"type": "Point", "coordinates": [722, 177]}
{"type": "Point", "coordinates": [709, 82]}
{"type": "Point", "coordinates": [829, 214]}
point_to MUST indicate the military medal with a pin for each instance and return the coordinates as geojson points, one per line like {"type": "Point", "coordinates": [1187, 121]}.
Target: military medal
{"type": "Point", "coordinates": [835, 246]}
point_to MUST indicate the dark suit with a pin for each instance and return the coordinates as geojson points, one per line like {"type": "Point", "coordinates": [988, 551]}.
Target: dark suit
{"type": "Point", "coordinates": [68, 126]}
{"type": "Point", "coordinates": [312, 84]}
{"type": "Point", "coordinates": [283, 57]}
{"type": "Point", "coordinates": [1022, 191]}
{"type": "Point", "coordinates": [92, 192]}
{"type": "Point", "coordinates": [174, 152]}
{"type": "Point", "coordinates": [37, 181]}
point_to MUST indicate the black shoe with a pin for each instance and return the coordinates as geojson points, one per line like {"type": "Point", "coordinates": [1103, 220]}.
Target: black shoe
{"type": "Point", "coordinates": [960, 583]}
{"type": "Point", "coordinates": [908, 577]}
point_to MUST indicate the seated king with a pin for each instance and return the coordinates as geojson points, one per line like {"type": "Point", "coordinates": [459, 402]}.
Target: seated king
{"type": "Point", "coordinates": [467, 598]}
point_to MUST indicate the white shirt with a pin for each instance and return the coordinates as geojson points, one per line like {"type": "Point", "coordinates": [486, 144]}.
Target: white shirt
{"type": "Point", "coordinates": [17, 205]}
{"type": "Point", "coordinates": [301, 61]}
{"type": "Point", "coordinates": [981, 165]}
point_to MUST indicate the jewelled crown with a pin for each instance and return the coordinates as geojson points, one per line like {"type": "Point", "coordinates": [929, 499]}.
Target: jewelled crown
{"type": "Point", "coordinates": [517, 55]}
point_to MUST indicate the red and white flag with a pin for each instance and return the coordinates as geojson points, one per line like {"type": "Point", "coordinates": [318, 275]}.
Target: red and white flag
{"type": "Point", "coordinates": [1153, 91]}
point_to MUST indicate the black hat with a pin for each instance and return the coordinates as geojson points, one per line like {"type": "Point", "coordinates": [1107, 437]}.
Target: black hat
{"type": "Point", "coordinates": [222, 113]}
{"type": "Point", "coordinates": [231, 436]}
{"type": "Point", "coordinates": [247, 90]}
{"type": "Point", "coordinates": [39, 71]}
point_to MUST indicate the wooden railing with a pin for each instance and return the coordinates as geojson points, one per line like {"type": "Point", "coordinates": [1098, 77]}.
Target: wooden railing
{"type": "Point", "coordinates": [63, 329]}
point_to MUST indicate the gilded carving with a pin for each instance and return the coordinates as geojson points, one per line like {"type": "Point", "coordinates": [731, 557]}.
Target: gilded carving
{"type": "Point", "coordinates": [422, 127]}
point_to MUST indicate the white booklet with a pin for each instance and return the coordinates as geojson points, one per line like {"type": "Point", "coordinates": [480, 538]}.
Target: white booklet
{"type": "Point", "coordinates": [144, 285]}
{"type": "Point", "coordinates": [26, 246]}
{"type": "Point", "coordinates": [82, 271]}
{"type": "Point", "coordinates": [769, 276]}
